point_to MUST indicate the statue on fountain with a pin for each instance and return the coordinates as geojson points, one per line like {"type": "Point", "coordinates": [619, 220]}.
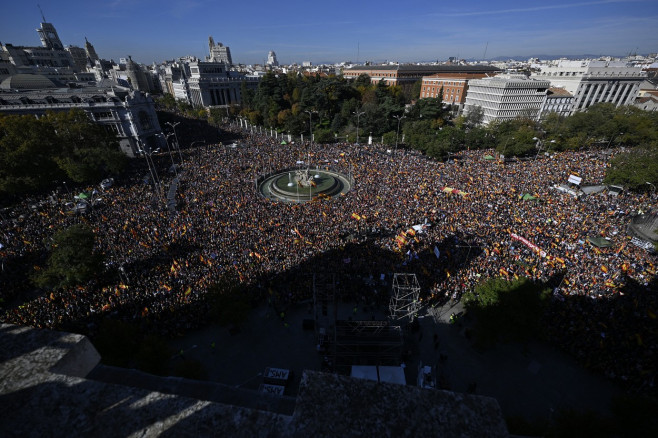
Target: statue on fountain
{"type": "Point", "coordinates": [302, 178]}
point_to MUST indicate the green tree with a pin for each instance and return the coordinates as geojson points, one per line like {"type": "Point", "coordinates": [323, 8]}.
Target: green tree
{"type": "Point", "coordinates": [87, 150]}
{"type": "Point", "coordinates": [506, 310]}
{"type": "Point", "coordinates": [415, 90]}
{"type": "Point", "coordinates": [634, 168]}
{"type": "Point", "coordinates": [27, 150]}
{"type": "Point", "coordinates": [229, 304]}
{"type": "Point", "coordinates": [72, 258]}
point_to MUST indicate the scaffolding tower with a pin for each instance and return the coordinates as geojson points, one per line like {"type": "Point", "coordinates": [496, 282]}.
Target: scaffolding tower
{"type": "Point", "coordinates": [405, 300]}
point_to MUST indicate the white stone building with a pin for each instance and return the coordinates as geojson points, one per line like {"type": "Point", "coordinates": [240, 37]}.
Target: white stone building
{"type": "Point", "coordinates": [129, 114]}
{"type": "Point", "coordinates": [271, 59]}
{"type": "Point", "coordinates": [506, 97]}
{"type": "Point", "coordinates": [592, 82]}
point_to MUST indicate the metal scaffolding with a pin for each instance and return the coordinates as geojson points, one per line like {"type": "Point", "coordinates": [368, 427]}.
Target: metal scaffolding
{"type": "Point", "coordinates": [366, 343]}
{"type": "Point", "coordinates": [404, 297]}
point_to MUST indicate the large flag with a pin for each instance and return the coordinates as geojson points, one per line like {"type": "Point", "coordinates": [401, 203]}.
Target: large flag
{"type": "Point", "coordinates": [356, 216]}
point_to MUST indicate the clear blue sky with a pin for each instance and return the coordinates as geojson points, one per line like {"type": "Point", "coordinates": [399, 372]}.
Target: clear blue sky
{"type": "Point", "coordinates": [334, 31]}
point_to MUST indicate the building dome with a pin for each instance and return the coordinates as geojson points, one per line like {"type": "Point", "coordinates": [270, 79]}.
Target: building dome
{"type": "Point", "coordinates": [25, 81]}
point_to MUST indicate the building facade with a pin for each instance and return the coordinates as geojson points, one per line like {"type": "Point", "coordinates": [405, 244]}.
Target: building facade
{"type": "Point", "coordinates": [219, 53]}
{"type": "Point", "coordinates": [406, 75]}
{"type": "Point", "coordinates": [453, 86]}
{"type": "Point", "coordinates": [591, 82]}
{"type": "Point", "coordinates": [79, 56]}
{"type": "Point", "coordinates": [211, 84]}
{"type": "Point", "coordinates": [129, 114]}
{"type": "Point", "coordinates": [271, 59]}
{"type": "Point", "coordinates": [559, 101]}
{"type": "Point", "coordinates": [506, 97]}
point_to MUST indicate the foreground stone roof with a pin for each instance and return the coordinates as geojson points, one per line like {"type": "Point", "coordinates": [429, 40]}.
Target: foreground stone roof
{"type": "Point", "coordinates": [43, 392]}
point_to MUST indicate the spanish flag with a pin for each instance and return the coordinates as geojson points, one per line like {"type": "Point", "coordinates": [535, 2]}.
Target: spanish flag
{"type": "Point", "coordinates": [188, 291]}
{"type": "Point", "coordinates": [356, 216]}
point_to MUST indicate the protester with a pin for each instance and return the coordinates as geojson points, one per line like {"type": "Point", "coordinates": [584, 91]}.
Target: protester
{"type": "Point", "coordinates": [166, 261]}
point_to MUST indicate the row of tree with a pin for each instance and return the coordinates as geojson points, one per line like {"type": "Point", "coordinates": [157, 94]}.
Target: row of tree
{"type": "Point", "coordinates": [334, 108]}
{"type": "Point", "coordinates": [64, 145]}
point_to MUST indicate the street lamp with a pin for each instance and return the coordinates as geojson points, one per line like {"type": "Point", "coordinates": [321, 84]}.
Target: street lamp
{"type": "Point", "coordinates": [173, 126]}
{"type": "Point", "coordinates": [358, 115]}
{"type": "Point", "coordinates": [613, 137]}
{"type": "Point", "coordinates": [653, 187]}
{"type": "Point", "coordinates": [539, 145]}
{"type": "Point", "coordinates": [166, 137]}
{"type": "Point", "coordinates": [398, 133]}
{"type": "Point", "coordinates": [151, 166]}
{"type": "Point", "coordinates": [310, 122]}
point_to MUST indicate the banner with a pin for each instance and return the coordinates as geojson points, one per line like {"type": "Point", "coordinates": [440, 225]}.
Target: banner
{"type": "Point", "coordinates": [529, 244]}
{"type": "Point", "coordinates": [573, 179]}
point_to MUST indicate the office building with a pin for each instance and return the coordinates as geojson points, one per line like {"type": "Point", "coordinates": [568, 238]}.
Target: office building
{"type": "Point", "coordinates": [506, 97]}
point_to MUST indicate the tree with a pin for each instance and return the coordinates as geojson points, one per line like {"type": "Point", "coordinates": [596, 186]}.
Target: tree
{"type": "Point", "coordinates": [415, 90]}
{"type": "Point", "coordinates": [634, 169]}
{"type": "Point", "coordinates": [72, 259]}
{"type": "Point", "coordinates": [228, 301]}
{"type": "Point", "coordinates": [474, 117]}
{"type": "Point", "coordinates": [508, 311]}
{"type": "Point", "coordinates": [87, 150]}
{"type": "Point", "coordinates": [27, 150]}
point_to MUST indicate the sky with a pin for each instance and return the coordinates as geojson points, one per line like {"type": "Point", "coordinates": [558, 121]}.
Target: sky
{"type": "Point", "coordinates": [337, 31]}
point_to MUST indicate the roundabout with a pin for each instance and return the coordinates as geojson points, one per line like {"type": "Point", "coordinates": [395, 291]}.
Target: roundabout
{"type": "Point", "coordinates": [303, 185]}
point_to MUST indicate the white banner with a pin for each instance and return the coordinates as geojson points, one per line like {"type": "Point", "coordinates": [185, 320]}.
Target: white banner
{"type": "Point", "coordinates": [573, 179]}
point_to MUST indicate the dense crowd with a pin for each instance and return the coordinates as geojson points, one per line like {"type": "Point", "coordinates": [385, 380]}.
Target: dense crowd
{"type": "Point", "coordinates": [166, 261]}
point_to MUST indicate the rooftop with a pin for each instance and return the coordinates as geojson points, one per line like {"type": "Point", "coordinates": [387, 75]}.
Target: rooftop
{"type": "Point", "coordinates": [439, 68]}
{"type": "Point", "coordinates": [44, 387]}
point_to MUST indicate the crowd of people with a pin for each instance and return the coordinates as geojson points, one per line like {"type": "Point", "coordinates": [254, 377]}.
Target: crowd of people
{"type": "Point", "coordinates": [471, 223]}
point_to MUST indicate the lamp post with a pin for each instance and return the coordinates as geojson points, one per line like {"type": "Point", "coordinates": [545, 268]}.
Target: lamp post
{"type": "Point", "coordinates": [397, 136]}
{"type": "Point", "coordinates": [173, 126]}
{"type": "Point", "coordinates": [505, 148]}
{"type": "Point", "coordinates": [310, 123]}
{"type": "Point", "coordinates": [653, 187]}
{"type": "Point", "coordinates": [613, 137]}
{"type": "Point", "coordinates": [152, 170]}
{"type": "Point", "coordinates": [539, 145]}
{"type": "Point", "coordinates": [166, 137]}
{"type": "Point", "coordinates": [358, 115]}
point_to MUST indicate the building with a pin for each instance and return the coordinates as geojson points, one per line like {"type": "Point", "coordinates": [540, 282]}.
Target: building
{"type": "Point", "coordinates": [647, 103]}
{"type": "Point", "coordinates": [79, 56]}
{"type": "Point", "coordinates": [129, 114]}
{"type": "Point", "coordinates": [452, 85]}
{"type": "Point", "coordinates": [559, 101]}
{"type": "Point", "coordinates": [271, 59]}
{"type": "Point", "coordinates": [207, 83]}
{"type": "Point", "coordinates": [50, 59]}
{"type": "Point", "coordinates": [506, 97]}
{"type": "Point", "coordinates": [212, 84]}
{"type": "Point", "coordinates": [591, 82]}
{"type": "Point", "coordinates": [48, 36]}
{"type": "Point", "coordinates": [48, 371]}
{"type": "Point", "coordinates": [91, 52]}
{"type": "Point", "coordinates": [219, 53]}
{"type": "Point", "coordinates": [406, 75]}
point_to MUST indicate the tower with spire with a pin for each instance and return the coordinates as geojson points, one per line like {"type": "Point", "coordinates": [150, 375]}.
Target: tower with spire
{"type": "Point", "coordinates": [48, 35]}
